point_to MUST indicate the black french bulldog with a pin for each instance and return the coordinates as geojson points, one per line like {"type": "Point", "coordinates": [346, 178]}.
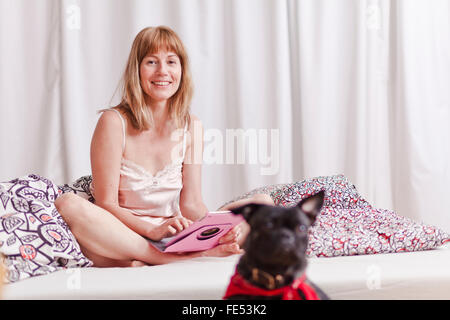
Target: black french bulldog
{"type": "Point", "coordinates": [273, 265]}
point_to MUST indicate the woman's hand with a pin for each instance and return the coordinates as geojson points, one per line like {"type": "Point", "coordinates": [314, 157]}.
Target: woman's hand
{"type": "Point", "coordinates": [231, 236]}
{"type": "Point", "coordinates": [237, 234]}
{"type": "Point", "coordinates": [169, 228]}
{"type": "Point", "coordinates": [228, 244]}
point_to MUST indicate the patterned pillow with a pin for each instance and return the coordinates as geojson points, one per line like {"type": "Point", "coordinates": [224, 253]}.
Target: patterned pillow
{"type": "Point", "coordinates": [344, 232]}
{"type": "Point", "coordinates": [349, 225]}
{"type": "Point", "coordinates": [81, 187]}
{"type": "Point", "coordinates": [33, 236]}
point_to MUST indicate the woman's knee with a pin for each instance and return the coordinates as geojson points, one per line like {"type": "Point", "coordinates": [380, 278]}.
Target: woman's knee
{"type": "Point", "coordinates": [70, 207]}
{"type": "Point", "coordinates": [262, 198]}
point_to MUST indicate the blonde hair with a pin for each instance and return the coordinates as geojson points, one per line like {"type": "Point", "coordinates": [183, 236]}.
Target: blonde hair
{"type": "Point", "coordinates": [151, 40]}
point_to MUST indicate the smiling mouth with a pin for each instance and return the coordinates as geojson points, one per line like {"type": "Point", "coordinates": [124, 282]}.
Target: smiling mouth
{"type": "Point", "coordinates": [161, 83]}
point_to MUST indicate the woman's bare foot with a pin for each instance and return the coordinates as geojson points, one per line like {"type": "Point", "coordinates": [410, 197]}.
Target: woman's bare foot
{"type": "Point", "coordinates": [223, 250]}
{"type": "Point", "coordinates": [137, 263]}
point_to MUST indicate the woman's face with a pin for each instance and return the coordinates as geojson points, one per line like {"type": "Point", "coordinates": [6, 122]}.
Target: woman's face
{"type": "Point", "coordinates": [160, 75]}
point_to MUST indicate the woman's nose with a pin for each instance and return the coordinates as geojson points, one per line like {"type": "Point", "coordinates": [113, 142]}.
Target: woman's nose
{"type": "Point", "coordinates": [162, 68]}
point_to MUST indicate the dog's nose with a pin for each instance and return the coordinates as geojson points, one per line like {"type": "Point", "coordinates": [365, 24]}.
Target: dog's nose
{"type": "Point", "coordinates": [287, 239]}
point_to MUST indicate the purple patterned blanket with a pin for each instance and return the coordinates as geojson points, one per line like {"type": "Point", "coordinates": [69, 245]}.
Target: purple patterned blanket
{"type": "Point", "coordinates": [33, 236]}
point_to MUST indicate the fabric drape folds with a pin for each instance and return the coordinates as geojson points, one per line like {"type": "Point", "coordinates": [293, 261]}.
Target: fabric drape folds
{"type": "Point", "coordinates": [286, 90]}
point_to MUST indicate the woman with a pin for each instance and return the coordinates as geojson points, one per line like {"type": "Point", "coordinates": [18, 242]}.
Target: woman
{"type": "Point", "coordinates": [145, 182]}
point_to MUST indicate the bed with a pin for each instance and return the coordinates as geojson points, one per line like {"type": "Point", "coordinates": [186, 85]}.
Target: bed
{"type": "Point", "coordinates": [356, 251]}
{"type": "Point", "coordinates": [408, 275]}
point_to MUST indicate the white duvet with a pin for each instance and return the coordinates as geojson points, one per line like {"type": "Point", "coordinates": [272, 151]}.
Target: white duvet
{"type": "Point", "coordinates": [413, 275]}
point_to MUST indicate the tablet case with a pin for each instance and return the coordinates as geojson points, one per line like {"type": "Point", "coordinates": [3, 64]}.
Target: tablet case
{"type": "Point", "coordinates": [205, 233]}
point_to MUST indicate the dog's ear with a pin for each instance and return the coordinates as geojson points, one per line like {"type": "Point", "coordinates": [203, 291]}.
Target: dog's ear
{"type": "Point", "coordinates": [247, 210]}
{"type": "Point", "coordinates": [312, 205]}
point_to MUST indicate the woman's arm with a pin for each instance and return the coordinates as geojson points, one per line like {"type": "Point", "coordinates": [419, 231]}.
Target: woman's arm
{"type": "Point", "coordinates": [191, 201]}
{"type": "Point", "coordinates": [106, 156]}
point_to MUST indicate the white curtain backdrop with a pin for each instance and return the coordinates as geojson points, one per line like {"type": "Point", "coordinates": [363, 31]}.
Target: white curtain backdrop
{"type": "Point", "coordinates": [317, 87]}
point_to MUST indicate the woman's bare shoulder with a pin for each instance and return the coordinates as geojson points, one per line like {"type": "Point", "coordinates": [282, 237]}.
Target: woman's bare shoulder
{"type": "Point", "coordinates": [109, 119]}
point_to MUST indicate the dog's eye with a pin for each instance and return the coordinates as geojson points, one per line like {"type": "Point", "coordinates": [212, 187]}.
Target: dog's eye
{"type": "Point", "coordinates": [301, 228]}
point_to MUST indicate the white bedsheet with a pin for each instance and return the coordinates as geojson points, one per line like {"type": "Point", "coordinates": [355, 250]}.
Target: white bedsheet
{"type": "Point", "coordinates": [416, 275]}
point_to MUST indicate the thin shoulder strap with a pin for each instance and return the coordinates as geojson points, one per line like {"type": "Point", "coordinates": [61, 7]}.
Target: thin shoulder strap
{"type": "Point", "coordinates": [123, 128]}
{"type": "Point", "coordinates": [184, 139]}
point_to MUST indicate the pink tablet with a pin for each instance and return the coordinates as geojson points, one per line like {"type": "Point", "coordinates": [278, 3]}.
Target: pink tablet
{"type": "Point", "coordinates": [205, 233]}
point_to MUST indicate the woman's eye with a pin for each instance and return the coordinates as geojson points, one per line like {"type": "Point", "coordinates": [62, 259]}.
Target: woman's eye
{"type": "Point", "coordinates": [151, 62]}
{"type": "Point", "coordinates": [172, 62]}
